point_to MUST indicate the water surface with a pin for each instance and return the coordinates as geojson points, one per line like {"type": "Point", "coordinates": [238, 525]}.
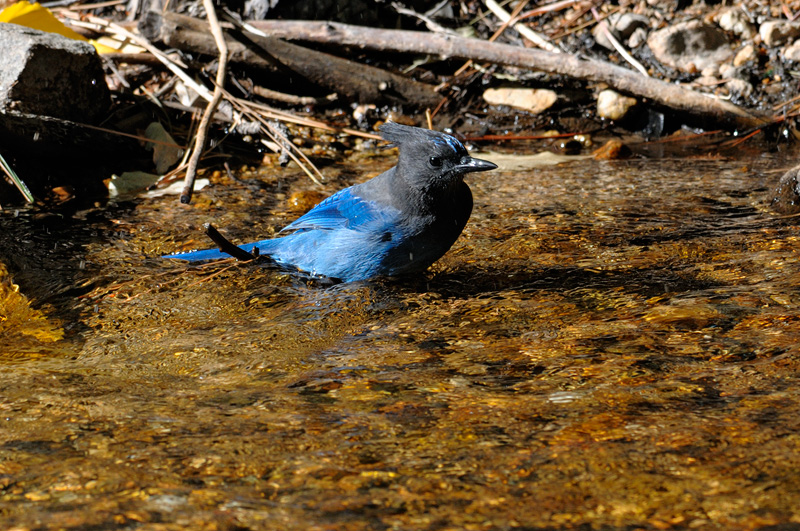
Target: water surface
{"type": "Point", "coordinates": [610, 345]}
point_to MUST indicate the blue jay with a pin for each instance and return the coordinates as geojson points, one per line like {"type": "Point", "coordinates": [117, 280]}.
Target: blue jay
{"type": "Point", "coordinates": [397, 223]}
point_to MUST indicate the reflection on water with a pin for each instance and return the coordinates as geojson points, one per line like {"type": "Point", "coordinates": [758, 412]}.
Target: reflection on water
{"type": "Point", "coordinates": [609, 345]}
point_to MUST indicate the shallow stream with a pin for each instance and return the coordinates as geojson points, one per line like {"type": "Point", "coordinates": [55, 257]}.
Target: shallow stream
{"type": "Point", "coordinates": [609, 345]}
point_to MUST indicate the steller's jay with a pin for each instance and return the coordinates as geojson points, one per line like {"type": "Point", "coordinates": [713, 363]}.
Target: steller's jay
{"type": "Point", "coordinates": [397, 223]}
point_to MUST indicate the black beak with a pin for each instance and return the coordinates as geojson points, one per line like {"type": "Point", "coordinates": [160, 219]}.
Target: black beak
{"type": "Point", "coordinates": [468, 165]}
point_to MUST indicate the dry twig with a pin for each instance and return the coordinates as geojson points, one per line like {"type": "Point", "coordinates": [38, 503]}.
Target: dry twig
{"type": "Point", "coordinates": [621, 79]}
{"type": "Point", "coordinates": [536, 38]}
{"type": "Point", "coordinates": [617, 45]}
{"type": "Point", "coordinates": [254, 112]}
{"type": "Point", "coordinates": [205, 121]}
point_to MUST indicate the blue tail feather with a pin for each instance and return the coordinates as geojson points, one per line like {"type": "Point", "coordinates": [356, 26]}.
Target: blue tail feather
{"type": "Point", "coordinates": [264, 248]}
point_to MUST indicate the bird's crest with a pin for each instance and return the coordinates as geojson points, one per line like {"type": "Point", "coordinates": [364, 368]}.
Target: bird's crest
{"type": "Point", "coordinates": [399, 134]}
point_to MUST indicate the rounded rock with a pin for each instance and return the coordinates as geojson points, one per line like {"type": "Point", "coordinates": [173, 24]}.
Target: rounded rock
{"type": "Point", "coordinates": [612, 105]}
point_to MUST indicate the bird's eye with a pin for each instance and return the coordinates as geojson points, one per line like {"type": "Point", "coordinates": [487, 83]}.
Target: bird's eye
{"type": "Point", "coordinates": [435, 161]}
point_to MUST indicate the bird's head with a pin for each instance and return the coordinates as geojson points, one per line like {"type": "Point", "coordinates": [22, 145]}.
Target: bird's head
{"type": "Point", "coordinates": [430, 160]}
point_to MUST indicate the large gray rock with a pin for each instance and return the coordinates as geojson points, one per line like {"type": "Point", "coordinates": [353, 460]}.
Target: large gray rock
{"type": "Point", "coordinates": [50, 75]}
{"type": "Point", "coordinates": [690, 46]}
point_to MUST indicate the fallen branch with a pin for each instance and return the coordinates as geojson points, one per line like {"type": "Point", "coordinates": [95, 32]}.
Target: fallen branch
{"type": "Point", "coordinates": [351, 80]}
{"type": "Point", "coordinates": [536, 38]}
{"type": "Point", "coordinates": [205, 121]}
{"type": "Point", "coordinates": [621, 79]}
{"type": "Point", "coordinates": [252, 111]}
{"type": "Point", "coordinates": [618, 45]}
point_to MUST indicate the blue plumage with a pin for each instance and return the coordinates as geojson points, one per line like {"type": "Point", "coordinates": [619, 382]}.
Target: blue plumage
{"type": "Point", "coordinates": [398, 223]}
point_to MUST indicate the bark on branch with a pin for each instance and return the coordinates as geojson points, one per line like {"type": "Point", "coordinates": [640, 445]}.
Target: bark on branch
{"type": "Point", "coordinates": [351, 80]}
{"type": "Point", "coordinates": [447, 46]}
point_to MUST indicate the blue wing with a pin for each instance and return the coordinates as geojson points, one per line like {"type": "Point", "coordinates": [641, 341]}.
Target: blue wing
{"type": "Point", "coordinates": [332, 238]}
{"type": "Point", "coordinates": [342, 210]}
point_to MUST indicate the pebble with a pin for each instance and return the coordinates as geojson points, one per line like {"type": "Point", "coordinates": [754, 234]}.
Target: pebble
{"type": "Point", "coordinates": [638, 38]}
{"type": "Point", "coordinates": [739, 87]}
{"type": "Point", "coordinates": [786, 198]}
{"type": "Point", "coordinates": [745, 55]}
{"type": "Point", "coordinates": [612, 105]}
{"type": "Point", "coordinates": [303, 201]}
{"type": "Point", "coordinates": [622, 26]}
{"type": "Point", "coordinates": [528, 99]}
{"type": "Point", "coordinates": [693, 315]}
{"type": "Point", "coordinates": [737, 22]}
{"type": "Point", "coordinates": [612, 150]}
{"type": "Point", "coordinates": [777, 32]}
{"type": "Point", "coordinates": [792, 52]}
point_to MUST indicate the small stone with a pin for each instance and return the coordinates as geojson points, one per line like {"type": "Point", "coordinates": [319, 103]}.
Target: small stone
{"type": "Point", "coordinates": [727, 71]}
{"type": "Point", "coordinates": [303, 201]}
{"type": "Point", "coordinates": [737, 22]}
{"type": "Point", "coordinates": [612, 150]}
{"type": "Point", "coordinates": [638, 38]}
{"type": "Point", "coordinates": [745, 55]}
{"type": "Point", "coordinates": [627, 23]}
{"type": "Point", "coordinates": [37, 495]}
{"type": "Point", "coordinates": [706, 81]}
{"type": "Point", "coordinates": [690, 46]}
{"type": "Point", "coordinates": [710, 71]}
{"type": "Point", "coordinates": [532, 100]}
{"type": "Point", "coordinates": [61, 194]}
{"type": "Point", "coordinates": [683, 314]}
{"type": "Point", "coordinates": [739, 87]}
{"type": "Point", "coordinates": [622, 26]}
{"type": "Point", "coordinates": [792, 52]}
{"type": "Point", "coordinates": [613, 105]}
{"type": "Point", "coordinates": [777, 32]}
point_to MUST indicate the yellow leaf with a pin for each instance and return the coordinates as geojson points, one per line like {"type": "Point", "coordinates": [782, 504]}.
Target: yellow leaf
{"type": "Point", "coordinates": [33, 15]}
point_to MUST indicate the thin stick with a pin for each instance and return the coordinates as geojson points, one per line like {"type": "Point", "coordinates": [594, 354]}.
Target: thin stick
{"type": "Point", "coordinates": [555, 6]}
{"type": "Point", "coordinates": [536, 38]}
{"type": "Point", "coordinates": [205, 121]}
{"type": "Point", "coordinates": [500, 30]}
{"type": "Point", "coordinates": [207, 95]}
{"type": "Point", "coordinates": [172, 66]}
{"type": "Point", "coordinates": [9, 171]}
{"type": "Point", "coordinates": [616, 44]}
{"type": "Point", "coordinates": [621, 79]}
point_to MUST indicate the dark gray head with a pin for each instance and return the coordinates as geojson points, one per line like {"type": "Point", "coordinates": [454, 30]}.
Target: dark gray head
{"type": "Point", "coordinates": [430, 160]}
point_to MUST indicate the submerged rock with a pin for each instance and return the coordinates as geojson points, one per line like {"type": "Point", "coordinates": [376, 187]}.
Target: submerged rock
{"type": "Point", "coordinates": [787, 195]}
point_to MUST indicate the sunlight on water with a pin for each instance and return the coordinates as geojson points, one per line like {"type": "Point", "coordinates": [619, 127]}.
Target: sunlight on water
{"type": "Point", "coordinates": [609, 344]}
